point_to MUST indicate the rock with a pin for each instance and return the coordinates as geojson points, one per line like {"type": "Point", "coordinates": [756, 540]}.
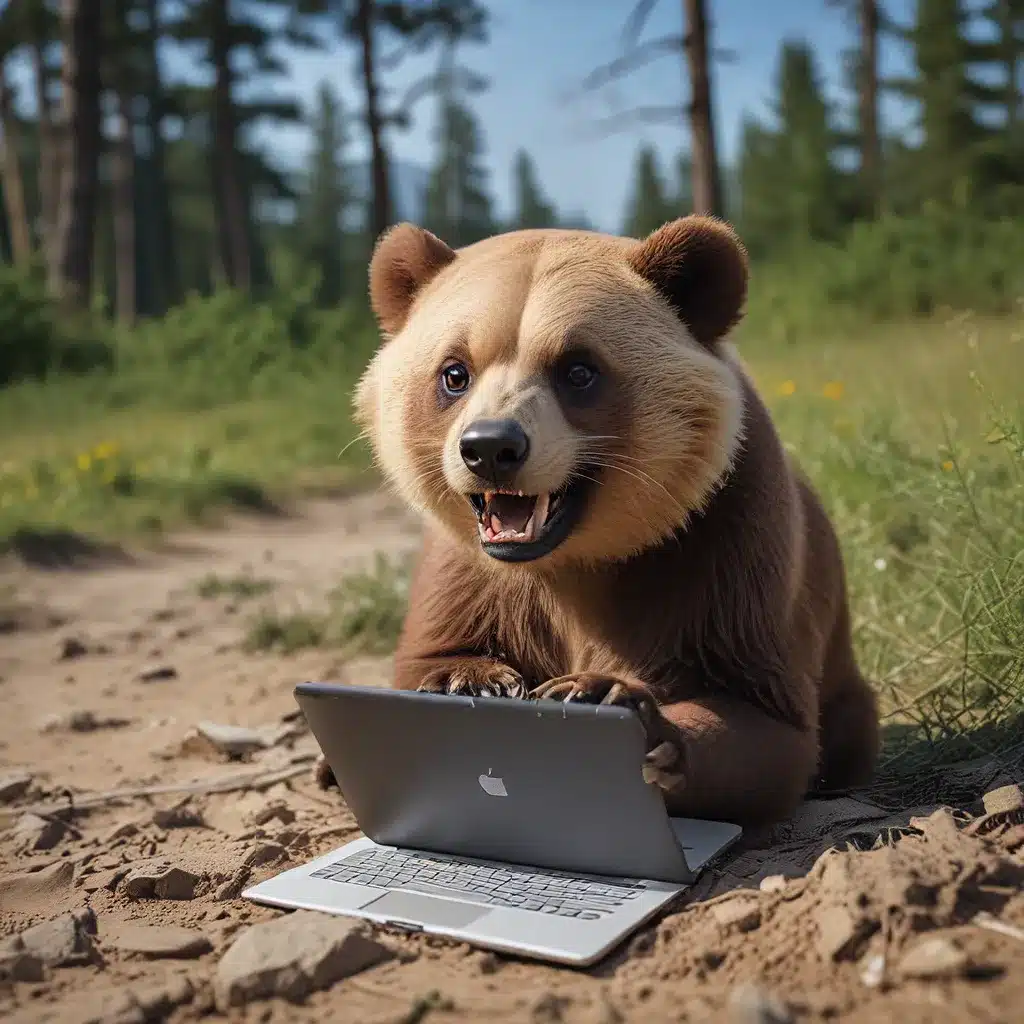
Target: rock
{"type": "Point", "coordinates": [108, 880]}
{"type": "Point", "coordinates": [70, 648]}
{"type": "Point", "coordinates": [773, 883]}
{"type": "Point", "coordinates": [160, 880]}
{"type": "Point", "coordinates": [179, 816]}
{"type": "Point", "coordinates": [293, 956]}
{"type": "Point", "coordinates": [270, 811]}
{"type": "Point", "coordinates": [66, 941]}
{"type": "Point", "coordinates": [232, 888]}
{"type": "Point", "coordinates": [840, 932]}
{"type": "Point", "coordinates": [13, 786]}
{"type": "Point", "coordinates": [264, 853]}
{"type": "Point", "coordinates": [740, 913]}
{"type": "Point", "coordinates": [18, 964]}
{"type": "Point", "coordinates": [159, 1000]}
{"type": "Point", "coordinates": [157, 673]}
{"type": "Point", "coordinates": [31, 832]}
{"type": "Point", "coordinates": [1004, 799]}
{"type": "Point", "coordinates": [934, 957]}
{"type": "Point", "coordinates": [80, 721]}
{"type": "Point", "coordinates": [749, 1004]}
{"type": "Point", "coordinates": [161, 942]}
{"type": "Point", "coordinates": [125, 830]}
{"type": "Point", "coordinates": [548, 1008]}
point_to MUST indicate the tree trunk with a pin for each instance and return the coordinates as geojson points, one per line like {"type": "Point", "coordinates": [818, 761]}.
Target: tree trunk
{"type": "Point", "coordinates": [14, 182]}
{"type": "Point", "coordinates": [871, 148]}
{"type": "Point", "coordinates": [380, 210]}
{"type": "Point", "coordinates": [50, 152]}
{"type": "Point", "coordinates": [707, 182]}
{"type": "Point", "coordinates": [229, 201]}
{"type": "Point", "coordinates": [123, 201]}
{"type": "Point", "coordinates": [163, 252]}
{"type": "Point", "coordinates": [71, 269]}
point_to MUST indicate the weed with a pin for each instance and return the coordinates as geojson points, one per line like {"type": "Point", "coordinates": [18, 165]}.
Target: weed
{"type": "Point", "coordinates": [241, 587]}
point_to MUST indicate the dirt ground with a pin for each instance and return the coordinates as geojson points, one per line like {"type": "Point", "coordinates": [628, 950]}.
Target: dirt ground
{"type": "Point", "coordinates": [118, 901]}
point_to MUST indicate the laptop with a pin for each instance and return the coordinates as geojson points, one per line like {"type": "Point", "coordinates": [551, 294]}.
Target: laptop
{"type": "Point", "coordinates": [524, 827]}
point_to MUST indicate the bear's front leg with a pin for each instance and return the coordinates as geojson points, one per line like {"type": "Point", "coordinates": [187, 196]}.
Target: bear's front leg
{"type": "Point", "coordinates": [718, 758]}
{"type": "Point", "coordinates": [665, 761]}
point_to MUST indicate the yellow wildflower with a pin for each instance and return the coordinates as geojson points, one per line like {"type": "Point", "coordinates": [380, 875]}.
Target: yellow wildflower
{"type": "Point", "coordinates": [84, 461]}
{"type": "Point", "coordinates": [947, 466]}
{"type": "Point", "coordinates": [787, 387]}
{"type": "Point", "coordinates": [106, 450]}
{"type": "Point", "coordinates": [833, 390]}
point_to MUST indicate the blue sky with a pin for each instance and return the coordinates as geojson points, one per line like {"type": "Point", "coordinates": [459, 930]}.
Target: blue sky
{"type": "Point", "coordinates": [540, 49]}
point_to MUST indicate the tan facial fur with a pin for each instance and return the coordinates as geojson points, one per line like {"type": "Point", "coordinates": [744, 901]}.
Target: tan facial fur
{"type": "Point", "coordinates": [664, 425]}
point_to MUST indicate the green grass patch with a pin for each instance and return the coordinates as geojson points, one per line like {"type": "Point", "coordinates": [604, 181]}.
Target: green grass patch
{"type": "Point", "coordinates": [241, 587]}
{"type": "Point", "coordinates": [364, 615]}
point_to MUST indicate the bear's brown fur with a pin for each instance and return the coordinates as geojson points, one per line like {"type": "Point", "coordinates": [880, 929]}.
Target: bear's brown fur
{"type": "Point", "coordinates": [702, 583]}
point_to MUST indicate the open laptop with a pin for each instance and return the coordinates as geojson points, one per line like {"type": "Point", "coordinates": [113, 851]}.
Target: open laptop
{"type": "Point", "coordinates": [519, 826]}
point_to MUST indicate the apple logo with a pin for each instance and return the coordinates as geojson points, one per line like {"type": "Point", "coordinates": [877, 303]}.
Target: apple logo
{"type": "Point", "coordinates": [492, 785]}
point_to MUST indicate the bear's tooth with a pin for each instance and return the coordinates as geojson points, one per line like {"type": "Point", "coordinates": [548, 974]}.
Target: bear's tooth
{"type": "Point", "coordinates": [540, 513]}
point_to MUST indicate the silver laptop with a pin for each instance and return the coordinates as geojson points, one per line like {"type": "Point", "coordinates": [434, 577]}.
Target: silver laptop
{"type": "Point", "coordinates": [519, 826]}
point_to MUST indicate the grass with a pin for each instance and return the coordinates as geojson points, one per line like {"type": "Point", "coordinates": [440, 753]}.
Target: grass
{"type": "Point", "coordinates": [364, 615]}
{"type": "Point", "coordinates": [241, 587]}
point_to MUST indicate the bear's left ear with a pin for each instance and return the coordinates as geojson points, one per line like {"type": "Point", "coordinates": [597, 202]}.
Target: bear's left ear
{"type": "Point", "coordinates": [699, 265]}
{"type": "Point", "coordinates": [404, 260]}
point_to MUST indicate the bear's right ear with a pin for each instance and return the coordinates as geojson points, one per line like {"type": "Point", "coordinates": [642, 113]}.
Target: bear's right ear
{"type": "Point", "coordinates": [405, 259]}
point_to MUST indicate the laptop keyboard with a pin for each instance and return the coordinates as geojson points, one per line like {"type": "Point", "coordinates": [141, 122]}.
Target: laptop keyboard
{"type": "Point", "coordinates": [539, 891]}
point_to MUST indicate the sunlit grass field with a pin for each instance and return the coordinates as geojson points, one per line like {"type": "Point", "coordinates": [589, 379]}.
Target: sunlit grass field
{"type": "Point", "coordinates": [911, 433]}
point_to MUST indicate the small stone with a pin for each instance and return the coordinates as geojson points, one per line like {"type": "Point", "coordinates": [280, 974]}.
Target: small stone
{"type": "Point", "coordinates": [160, 881]}
{"type": "Point", "coordinates": [264, 853]}
{"type": "Point", "coordinates": [873, 972]}
{"type": "Point", "coordinates": [179, 816]}
{"type": "Point", "coordinates": [108, 880]}
{"type": "Point", "coordinates": [158, 1001]}
{"type": "Point", "coordinates": [80, 721]}
{"type": "Point", "coordinates": [549, 1008]}
{"type": "Point", "coordinates": [839, 932]}
{"type": "Point", "coordinates": [292, 956]}
{"type": "Point", "coordinates": [125, 830]}
{"type": "Point", "coordinates": [1003, 799]}
{"type": "Point", "coordinates": [32, 832]}
{"type": "Point", "coordinates": [740, 913]}
{"type": "Point", "coordinates": [161, 942]}
{"type": "Point", "coordinates": [773, 883]}
{"type": "Point", "coordinates": [18, 964]}
{"type": "Point", "coordinates": [157, 673]}
{"type": "Point", "coordinates": [232, 888]}
{"type": "Point", "coordinates": [749, 1004]}
{"type": "Point", "coordinates": [66, 941]}
{"type": "Point", "coordinates": [71, 647]}
{"type": "Point", "coordinates": [273, 810]}
{"type": "Point", "coordinates": [13, 786]}
{"type": "Point", "coordinates": [934, 957]}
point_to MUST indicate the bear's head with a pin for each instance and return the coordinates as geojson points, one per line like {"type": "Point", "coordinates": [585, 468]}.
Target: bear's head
{"type": "Point", "coordinates": [554, 396]}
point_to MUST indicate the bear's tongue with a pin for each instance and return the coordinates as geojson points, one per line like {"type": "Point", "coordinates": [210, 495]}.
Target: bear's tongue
{"type": "Point", "coordinates": [515, 517]}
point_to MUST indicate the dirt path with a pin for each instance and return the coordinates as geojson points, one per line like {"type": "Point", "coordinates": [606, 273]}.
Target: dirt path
{"type": "Point", "coordinates": [126, 912]}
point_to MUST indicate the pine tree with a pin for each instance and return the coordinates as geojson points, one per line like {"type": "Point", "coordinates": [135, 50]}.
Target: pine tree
{"type": "Point", "coordinates": [649, 205]}
{"type": "Point", "coordinates": [947, 93]}
{"type": "Point", "coordinates": [532, 210]}
{"type": "Point", "coordinates": [684, 185]}
{"type": "Point", "coordinates": [457, 204]}
{"type": "Point", "coordinates": [326, 199]}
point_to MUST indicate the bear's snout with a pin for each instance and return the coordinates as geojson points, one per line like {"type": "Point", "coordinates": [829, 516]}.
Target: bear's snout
{"type": "Point", "coordinates": [494, 450]}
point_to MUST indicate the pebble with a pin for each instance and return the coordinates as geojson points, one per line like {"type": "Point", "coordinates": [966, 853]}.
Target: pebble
{"type": "Point", "coordinates": [160, 880]}
{"type": "Point", "coordinates": [157, 673]}
{"type": "Point", "coordinates": [179, 816]}
{"type": "Point", "coordinates": [292, 956]}
{"type": "Point", "coordinates": [232, 888]}
{"type": "Point", "coordinates": [740, 913]}
{"type": "Point", "coordinates": [749, 1004]}
{"type": "Point", "coordinates": [14, 785]}
{"type": "Point", "coordinates": [80, 721]}
{"type": "Point", "coordinates": [161, 941]}
{"type": "Point", "coordinates": [272, 810]}
{"type": "Point", "coordinates": [71, 647]}
{"type": "Point", "coordinates": [264, 853]}
{"type": "Point", "coordinates": [933, 957]}
{"type": "Point", "coordinates": [32, 832]}
{"type": "Point", "coordinates": [109, 879]}
{"type": "Point", "coordinates": [65, 941]}
{"type": "Point", "coordinates": [772, 883]}
{"type": "Point", "coordinates": [1005, 798]}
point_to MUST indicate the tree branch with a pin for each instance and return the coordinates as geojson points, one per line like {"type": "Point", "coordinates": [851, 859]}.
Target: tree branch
{"type": "Point", "coordinates": [628, 119]}
{"type": "Point", "coordinates": [637, 57]}
{"type": "Point", "coordinates": [635, 22]}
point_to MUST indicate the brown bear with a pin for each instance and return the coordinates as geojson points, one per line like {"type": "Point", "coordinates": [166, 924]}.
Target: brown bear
{"type": "Point", "coordinates": [609, 513]}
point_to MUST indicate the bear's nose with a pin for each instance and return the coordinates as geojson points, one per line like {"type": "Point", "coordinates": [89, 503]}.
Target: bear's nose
{"type": "Point", "coordinates": [494, 449]}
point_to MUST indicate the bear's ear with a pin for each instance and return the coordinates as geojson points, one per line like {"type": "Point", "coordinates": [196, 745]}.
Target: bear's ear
{"type": "Point", "coordinates": [405, 258]}
{"type": "Point", "coordinates": [699, 265]}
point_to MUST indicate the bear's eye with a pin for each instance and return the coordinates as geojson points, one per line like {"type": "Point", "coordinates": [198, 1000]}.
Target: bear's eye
{"type": "Point", "coordinates": [455, 378]}
{"type": "Point", "coordinates": [580, 376]}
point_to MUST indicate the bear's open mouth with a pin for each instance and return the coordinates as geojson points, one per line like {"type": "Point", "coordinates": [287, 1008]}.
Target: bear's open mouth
{"type": "Point", "coordinates": [518, 527]}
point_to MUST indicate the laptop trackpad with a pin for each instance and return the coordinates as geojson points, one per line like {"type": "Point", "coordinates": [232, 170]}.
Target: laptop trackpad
{"type": "Point", "coordinates": [418, 909]}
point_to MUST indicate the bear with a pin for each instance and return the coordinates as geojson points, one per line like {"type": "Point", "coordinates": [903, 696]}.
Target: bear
{"type": "Point", "coordinates": [609, 513]}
